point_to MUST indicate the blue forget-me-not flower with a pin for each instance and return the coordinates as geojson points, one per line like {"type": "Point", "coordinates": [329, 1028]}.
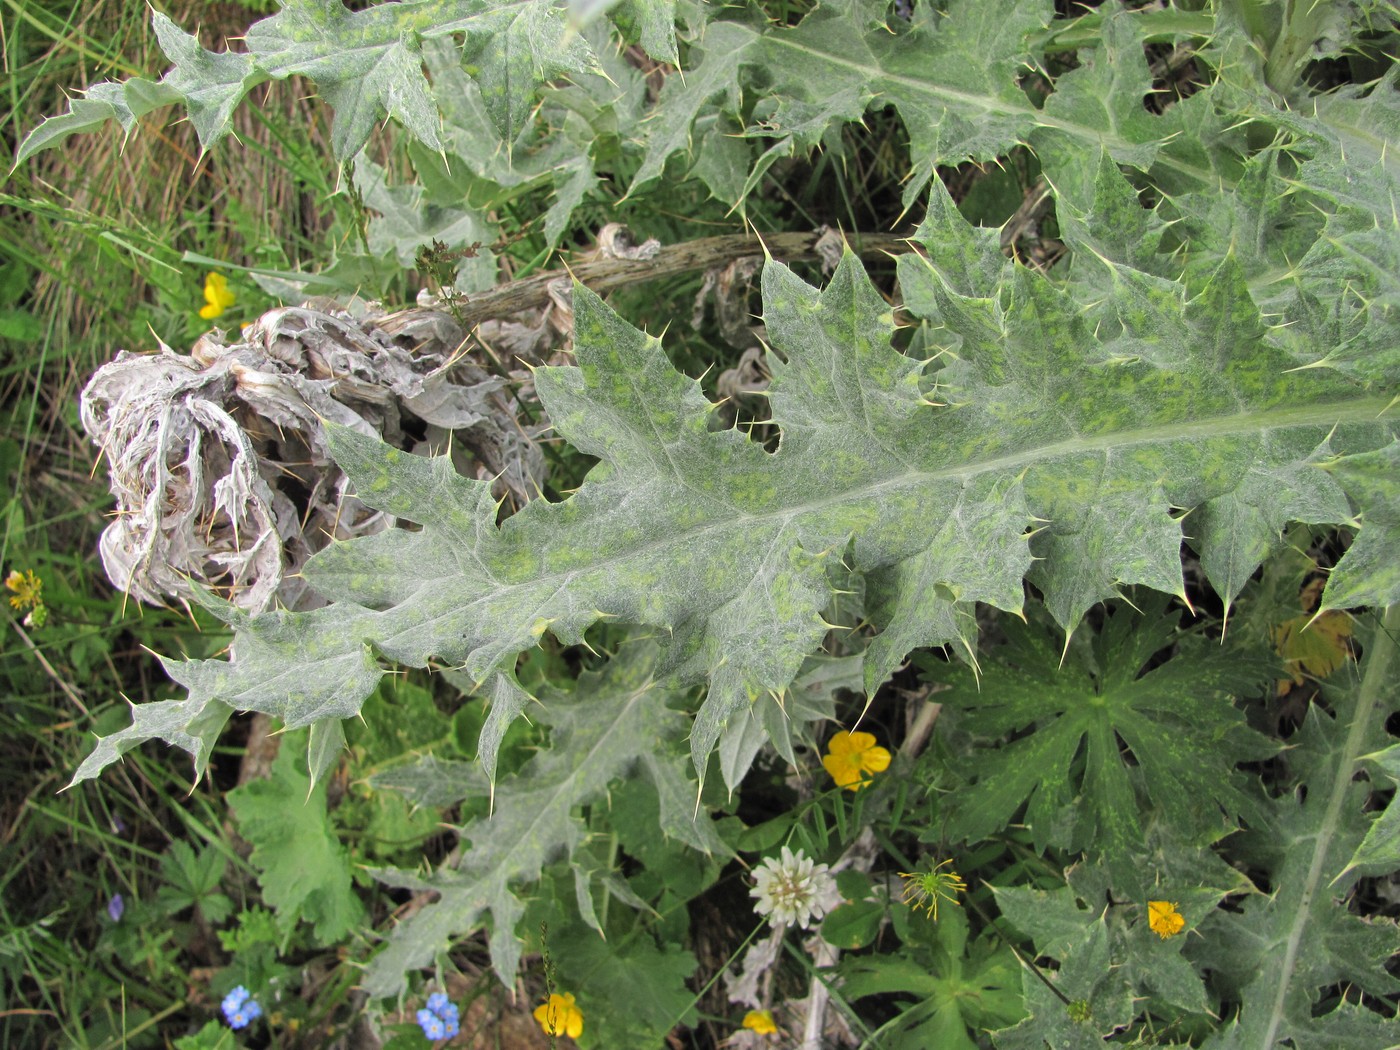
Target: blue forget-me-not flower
{"type": "Point", "coordinates": [240, 1008]}
{"type": "Point", "coordinates": [440, 1018]}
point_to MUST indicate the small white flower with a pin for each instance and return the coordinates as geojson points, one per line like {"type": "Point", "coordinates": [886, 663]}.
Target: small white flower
{"type": "Point", "coordinates": [793, 890]}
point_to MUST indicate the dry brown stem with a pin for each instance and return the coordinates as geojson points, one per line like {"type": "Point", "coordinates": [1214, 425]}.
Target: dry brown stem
{"type": "Point", "coordinates": [607, 274]}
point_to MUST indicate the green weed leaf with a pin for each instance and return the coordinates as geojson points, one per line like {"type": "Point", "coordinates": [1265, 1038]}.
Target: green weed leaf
{"type": "Point", "coordinates": [304, 871]}
{"type": "Point", "coordinates": [1163, 740]}
{"type": "Point", "coordinates": [639, 990]}
{"type": "Point", "coordinates": [191, 880]}
{"type": "Point", "coordinates": [367, 64]}
{"type": "Point", "coordinates": [1108, 962]}
{"type": "Point", "coordinates": [126, 103]}
{"type": "Point", "coordinates": [960, 988]}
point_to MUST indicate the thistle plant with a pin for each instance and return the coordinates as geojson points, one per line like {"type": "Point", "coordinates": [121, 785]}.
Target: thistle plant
{"type": "Point", "coordinates": [1073, 499]}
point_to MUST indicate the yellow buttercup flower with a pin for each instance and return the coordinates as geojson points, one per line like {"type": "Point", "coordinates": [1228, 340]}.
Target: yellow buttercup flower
{"type": "Point", "coordinates": [1164, 920]}
{"type": "Point", "coordinates": [217, 297]}
{"type": "Point", "coordinates": [853, 757]}
{"type": "Point", "coordinates": [560, 1016]}
{"type": "Point", "coordinates": [760, 1021]}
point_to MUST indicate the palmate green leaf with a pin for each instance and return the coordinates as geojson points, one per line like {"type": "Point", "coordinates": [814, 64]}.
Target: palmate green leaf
{"type": "Point", "coordinates": [927, 481]}
{"type": "Point", "coordinates": [614, 723]}
{"type": "Point", "coordinates": [303, 868]}
{"type": "Point", "coordinates": [367, 64]}
{"type": "Point", "coordinates": [192, 880]}
{"type": "Point", "coordinates": [960, 989]}
{"type": "Point", "coordinates": [1282, 955]}
{"type": "Point", "coordinates": [1164, 741]}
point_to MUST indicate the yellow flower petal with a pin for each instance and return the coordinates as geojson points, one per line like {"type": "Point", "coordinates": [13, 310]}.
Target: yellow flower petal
{"type": "Point", "coordinates": [842, 769]}
{"type": "Point", "coordinates": [217, 297]}
{"type": "Point", "coordinates": [560, 1016]}
{"type": "Point", "coordinates": [760, 1021]}
{"type": "Point", "coordinates": [844, 743]}
{"type": "Point", "coordinates": [1164, 920]}
{"type": "Point", "coordinates": [852, 757]}
{"type": "Point", "coordinates": [875, 760]}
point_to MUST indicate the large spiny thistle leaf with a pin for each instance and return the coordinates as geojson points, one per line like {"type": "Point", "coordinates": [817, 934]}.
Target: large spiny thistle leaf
{"type": "Point", "coordinates": [795, 86]}
{"type": "Point", "coordinates": [788, 88]}
{"type": "Point", "coordinates": [927, 478]}
{"type": "Point", "coordinates": [836, 63]}
{"type": "Point", "coordinates": [828, 69]}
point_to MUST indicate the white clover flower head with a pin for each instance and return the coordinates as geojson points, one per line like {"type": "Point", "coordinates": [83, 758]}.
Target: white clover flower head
{"type": "Point", "coordinates": [791, 890]}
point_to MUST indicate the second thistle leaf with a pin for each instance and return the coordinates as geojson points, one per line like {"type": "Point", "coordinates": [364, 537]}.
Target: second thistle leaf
{"type": "Point", "coordinates": [613, 723]}
{"type": "Point", "coordinates": [1284, 953]}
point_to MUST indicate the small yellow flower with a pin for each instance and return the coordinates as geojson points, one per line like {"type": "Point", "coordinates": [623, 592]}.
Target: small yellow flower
{"type": "Point", "coordinates": [924, 888]}
{"type": "Point", "coordinates": [760, 1021]}
{"type": "Point", "coordinates": [28, 594]}
{"type": "Point", "coordinates": [1164, 920]}
{"type": "Point", "coordinates": [852, 757]}
{"type": "Point", "coordinates": [28, 588]}
{"type": "Point", "coordinates": [560, 1016]}
{"type": "Point", "coordinates": [217, 297]}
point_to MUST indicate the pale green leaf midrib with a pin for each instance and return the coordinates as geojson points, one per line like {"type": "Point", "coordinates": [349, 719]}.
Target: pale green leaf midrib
{"type": "Point", "coordinates": [1320, 415]}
